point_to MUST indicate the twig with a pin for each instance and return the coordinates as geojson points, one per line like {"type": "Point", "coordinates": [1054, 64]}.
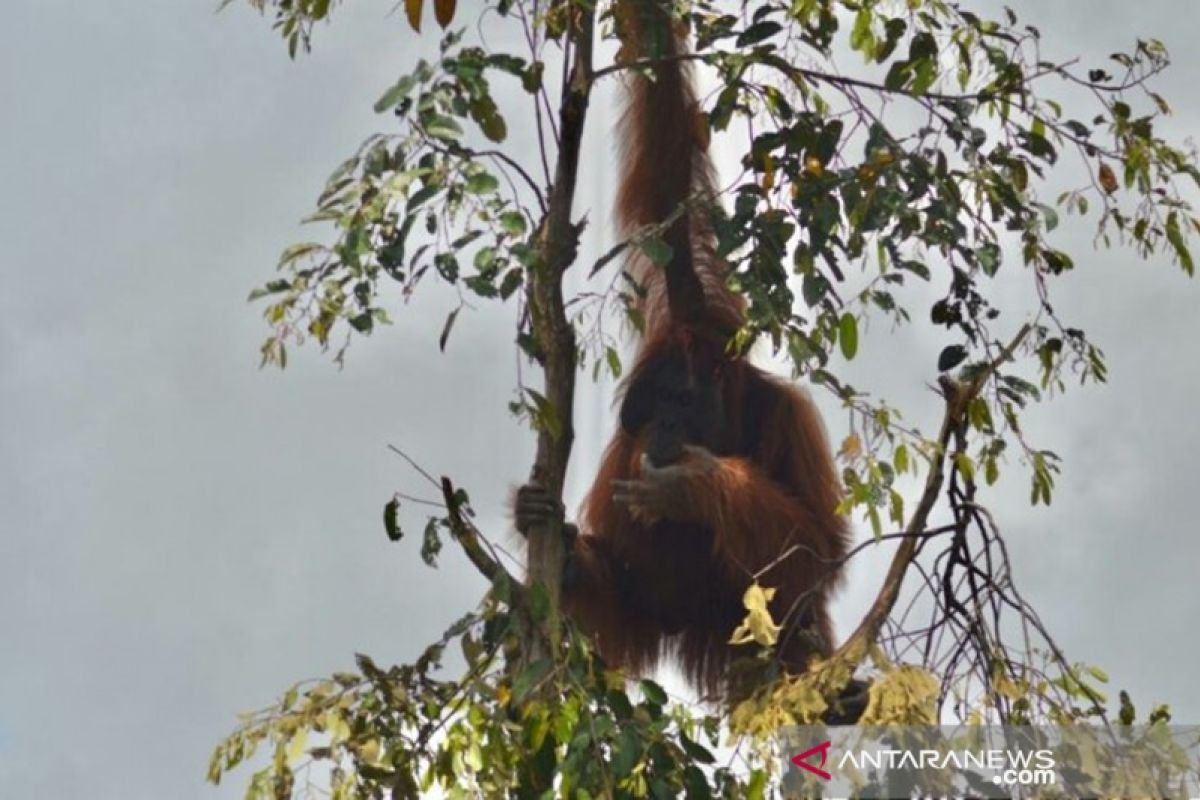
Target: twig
{"type": "Point", "coordinates": [957, 397]}
{"type": "Point", "coordinates": [420, 470]}
{"type": "Point", "coordinates": [467, 536]}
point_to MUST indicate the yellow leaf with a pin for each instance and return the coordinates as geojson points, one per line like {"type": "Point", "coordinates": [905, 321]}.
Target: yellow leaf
{"type": "Point", "coordinates": [905, 696]}
{"type": "Point", "coordinates": [851, 447]}
{"type": "Point", "coordinates": [804, 701]}
{"type": "Point", "coordinates": [758, 626]}
{"type": "Point", "coordinates": [295, 748]}
{"type": "Point", "coordinates": [474, 757]}
{"type": "Point", "coordinates": [443, 11]}
{"type": "Point", "coordinates": [412, 10]}
{"type": "Point", "coordinates": [768, 181]}
{"type": "Point", "coordinates": [1007, 687]}
{"type": "Point", "coordinates": [338, 729]}
{"type": "Point", "coordinates": [369, 752]}
{"type": "Point", "coordinates": [756, 597]}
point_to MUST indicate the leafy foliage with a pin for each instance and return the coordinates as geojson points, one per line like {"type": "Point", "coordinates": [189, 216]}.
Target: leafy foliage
{"type": "Point", "coordinates": [505, 728]}
{"type": "Point", "coordinates": [471, 229]}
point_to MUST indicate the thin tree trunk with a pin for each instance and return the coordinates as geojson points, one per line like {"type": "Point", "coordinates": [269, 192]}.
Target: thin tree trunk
{"type": "Point", "coordinates": [558, 249]}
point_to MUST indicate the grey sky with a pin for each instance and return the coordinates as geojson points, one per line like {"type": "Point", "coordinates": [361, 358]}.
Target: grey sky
{"type": "Point", "coordinates": [182, 535]}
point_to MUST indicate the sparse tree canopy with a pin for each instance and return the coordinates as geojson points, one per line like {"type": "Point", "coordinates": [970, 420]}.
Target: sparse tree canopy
{"type": "Point", "coordinates": [904, 188]}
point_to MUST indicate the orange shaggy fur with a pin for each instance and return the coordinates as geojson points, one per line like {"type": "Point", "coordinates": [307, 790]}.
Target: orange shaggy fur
{"type": "Point", "coordinates": [671, 588]}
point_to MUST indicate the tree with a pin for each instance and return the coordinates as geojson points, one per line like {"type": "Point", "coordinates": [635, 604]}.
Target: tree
{"type": "Point", "coordinates": [859, 195]}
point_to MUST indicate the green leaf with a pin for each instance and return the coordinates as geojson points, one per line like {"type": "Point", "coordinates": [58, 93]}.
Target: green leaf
{"type": "Point", "coordinates": [445, 128]}
{"type": "Point", "coordinates": [653, 692]}
{"type": "Point", "coordinates": [1175, 237]}
{"type": "Point", "coordinates": [482, 183]}
{"type": "Point", "coordinates": [392, 97]}
{"type": "Point", "coordinates": [758, 32]}
{"type": "Point", "coordinates": [487, 117]}
{"type": "Point", "coordinates": [529, 678]}
{"type": "Point", "coordinates": [431, 543]}
{"type": "Point", "coordinates": [916, 268]}
{"type": "Point", "coordinates": [513, 223]}
{"type": "Point", "coordinates": [848, 335]}
{"type": "Point", "coordinates": [546, 416]}
{"type": "Point", "coordinates": [614, 361]}
{"type": "Point", "coordinates": [861, 37]}
{"type": "Point", "coordinates": [951, 357]}
{"type": "Point", "coordinates": [656, 250]}
{"type": "Point", "coordinates": [979, 414]}
{"type": "Point", "coordinates": [627, 753]}
{"type": "Point", "coordinates": [511, 282]}
{"type": "Point", "coordinates": [989, 258]}
{"type": "Point", "coordinates": [391, 519]}
{"type": "Point", "coordinates": [298, 251]}
{"type": "Point", "coordinates": [756, 789]}
{"type": "Point", "coordinates": [420, 196]}
{"type": "Point", "coordinates": [531, 79]}
{"type": "Point", "coordinates": [272, 287]}
{"type": "Point", "coordinates": [813, 288]}
{"type": "Point", "coordinates": [965, 465]}
{"type": "Point", "coordinates": [1049, 214]}
{"type": "Point", "coordinates": [696, 782]}
{"type": "Point", "coordinates": [897, 76]}
{"type": "Point", "coordinates": [485, 260]}
{"type": "Point", "coordinates": [453, 315]}
{"type": "Point", "coordinates": [1128, 712]}
{"type": "Point", "coordinates": [696, 752]}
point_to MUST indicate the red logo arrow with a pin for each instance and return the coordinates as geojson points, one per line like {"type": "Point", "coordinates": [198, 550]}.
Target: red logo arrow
{"type": "Point", "coordinates": [802, 762]}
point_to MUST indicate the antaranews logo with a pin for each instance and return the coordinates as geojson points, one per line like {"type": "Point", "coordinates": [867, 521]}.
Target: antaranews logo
{"type": "Point", "coordinates": [992, 761]}
{"type": "Point", "coordinates": [823, 751]}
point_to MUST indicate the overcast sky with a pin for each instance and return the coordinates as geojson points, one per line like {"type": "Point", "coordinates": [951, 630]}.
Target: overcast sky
{"type": "Point", "coordinates": [183, 535]}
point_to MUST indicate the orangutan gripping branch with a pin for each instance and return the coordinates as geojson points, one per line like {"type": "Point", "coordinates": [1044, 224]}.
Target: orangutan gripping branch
{"type": "Point", "coordinates": [719, 472]}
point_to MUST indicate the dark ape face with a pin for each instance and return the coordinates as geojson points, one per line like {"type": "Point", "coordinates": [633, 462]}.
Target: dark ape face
{"type": "Point", "coordinates": [673, 403]}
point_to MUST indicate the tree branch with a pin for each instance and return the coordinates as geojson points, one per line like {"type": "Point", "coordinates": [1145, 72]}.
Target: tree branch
{"type": "Point", "coordinates": [558, 246]}
{"type": "Point", "coordinates": [957, 396]}
{"type": "Point", "coordinates": [468, 535]}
